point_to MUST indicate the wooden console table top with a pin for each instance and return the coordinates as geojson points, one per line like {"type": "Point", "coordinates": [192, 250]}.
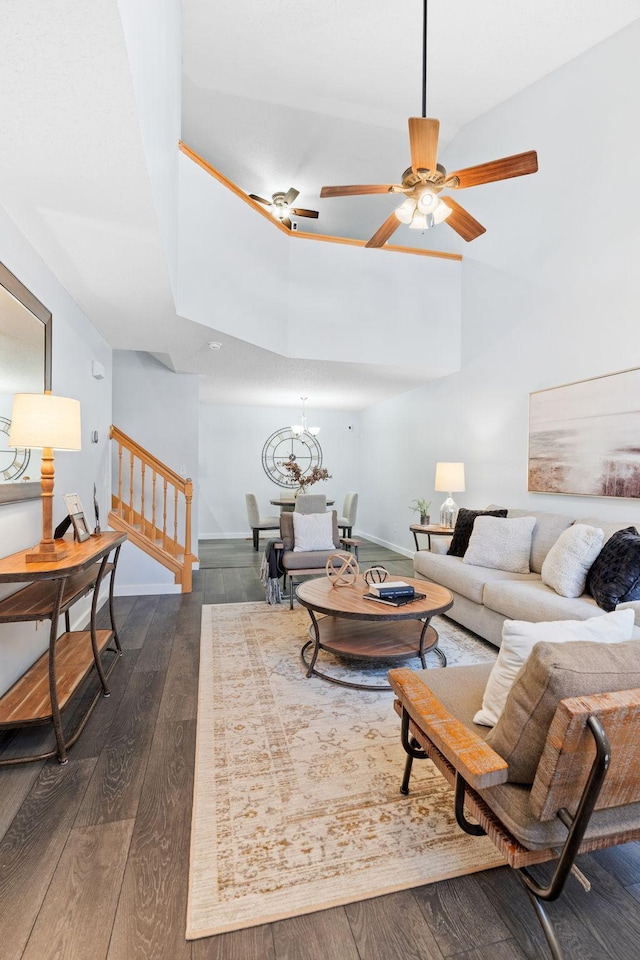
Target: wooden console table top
{"type": "Point", "coordinates": [15, 569]}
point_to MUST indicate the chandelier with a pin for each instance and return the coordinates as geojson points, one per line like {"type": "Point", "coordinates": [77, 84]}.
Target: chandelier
{"type": "Point", "coordinates": [300, 428]}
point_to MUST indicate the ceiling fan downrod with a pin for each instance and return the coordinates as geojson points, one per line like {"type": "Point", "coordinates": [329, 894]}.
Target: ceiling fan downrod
{"type": "Point", "coordinates": [424, 59]}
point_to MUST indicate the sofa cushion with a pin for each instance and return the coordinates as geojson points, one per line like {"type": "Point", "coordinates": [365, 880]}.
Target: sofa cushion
{"type": "Point", "coordinates": [501, 544]}
{"type": "Point", "coordinates": [548, 528]}
{"type": "Point", "coordinates": [464, 528]}
{"type": "Point", "coordinates": [519, 638]}
{"type": "Point", "coordinates": [569, 560]}
{"type": "Point", "coordinates": [536, 601]}
{"type": "Point", "coordinates": [554, 672]}
{"type": "Point", "coordinates": [465, 579]}
{"type": "Point", "coordinates": [615, 576]}
{"type": "Point", "coordinates": [607, 527]}
{"type": "Point", "coordinates": [312, 560]}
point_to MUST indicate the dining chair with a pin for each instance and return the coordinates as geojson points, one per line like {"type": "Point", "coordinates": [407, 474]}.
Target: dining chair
{"type": "Point", "coordinates": [256, 522]}
{"type": "Point", "coordinates": [349, 509]}
{"type": "Point", "coordinates": [311, 503]}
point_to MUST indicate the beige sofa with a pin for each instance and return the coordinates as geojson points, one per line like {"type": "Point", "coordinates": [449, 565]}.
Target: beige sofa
{"type": "Point", "coordinates": [484, 598]}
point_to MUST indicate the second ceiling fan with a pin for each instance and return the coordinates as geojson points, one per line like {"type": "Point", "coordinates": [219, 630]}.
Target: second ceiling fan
{"type": "Point", "coordinates": [422, 182]}
{"type": "Point", "coordinates": [280, 206]}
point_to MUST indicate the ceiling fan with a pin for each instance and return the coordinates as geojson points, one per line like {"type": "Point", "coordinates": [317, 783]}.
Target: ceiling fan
{"type": "Point", "coordinates": [423, 181]}
{"type": "Point", "coordinates": [280, 206]}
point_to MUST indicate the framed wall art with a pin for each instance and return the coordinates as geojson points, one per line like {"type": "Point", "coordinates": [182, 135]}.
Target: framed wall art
{"type": "Point", "coordinates": [584, 437]}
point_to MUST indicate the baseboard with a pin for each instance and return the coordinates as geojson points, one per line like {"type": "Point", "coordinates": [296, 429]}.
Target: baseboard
{"type": "Point", "coordinates": [387, 544]}
{"type": "Point", "coordinates": [226, 536]}
{"type": "Point", "coordinates": [147, 589]}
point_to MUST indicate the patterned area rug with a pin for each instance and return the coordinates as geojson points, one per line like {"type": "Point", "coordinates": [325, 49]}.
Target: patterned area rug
{"type": "Point", "coordinates": [296, 799]}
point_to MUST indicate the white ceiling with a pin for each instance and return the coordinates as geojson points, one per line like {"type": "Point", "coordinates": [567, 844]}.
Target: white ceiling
{"type": "Point", "coordinates": [275, 93]}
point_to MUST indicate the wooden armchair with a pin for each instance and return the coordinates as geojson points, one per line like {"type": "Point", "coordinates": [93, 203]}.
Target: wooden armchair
{"type": "Point", "coordinates": [567, 780]}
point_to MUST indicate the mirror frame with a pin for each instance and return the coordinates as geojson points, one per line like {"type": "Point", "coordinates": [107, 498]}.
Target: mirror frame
{"type": "Point", "coordinates": [31, 489]}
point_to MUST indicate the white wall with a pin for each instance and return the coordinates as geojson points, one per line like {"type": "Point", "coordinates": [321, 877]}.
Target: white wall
{"type": "Point", "coordinates": [75, 344]}
{"type": "Point", "coordinates": [153, 36]}
{"type": "Point", "coordinates": [231, 442]}
{"type": "Point", "coordinates": [310, 299]}
{"type": "Point", "coordinates": [159, 410]}
{"type": "Point", "coordinates": [549, 295]}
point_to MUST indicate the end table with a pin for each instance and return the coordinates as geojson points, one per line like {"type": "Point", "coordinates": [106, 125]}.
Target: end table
{"type": "Point", "coordinates": [430, 530]}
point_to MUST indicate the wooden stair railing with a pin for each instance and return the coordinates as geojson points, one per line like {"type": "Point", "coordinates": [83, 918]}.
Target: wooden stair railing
{"type": "Point", "coordinates": [152, 504]}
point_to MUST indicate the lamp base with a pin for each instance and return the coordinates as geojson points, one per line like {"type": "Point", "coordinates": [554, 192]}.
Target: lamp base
{"type": "Point", "coordinates": [46, 552]}
{"type": "Point", "coordinates": [448, 513]}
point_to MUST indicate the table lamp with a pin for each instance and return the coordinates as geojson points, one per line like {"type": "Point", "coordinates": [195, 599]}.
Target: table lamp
{"type": "Point", "coordinates": [449, 478]}
{"type": "Point", "coordinates": [41, 420]}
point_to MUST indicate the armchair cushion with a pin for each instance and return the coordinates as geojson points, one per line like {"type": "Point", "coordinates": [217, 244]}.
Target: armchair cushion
{"type": "Point", "coordinates": [519, 638]}
{"type": "Point", "coordinates": [312, 531]}
{"type": "Point", "coordinates": [287, 534]}
{"type": "Point", "coordinates": [555, 672]}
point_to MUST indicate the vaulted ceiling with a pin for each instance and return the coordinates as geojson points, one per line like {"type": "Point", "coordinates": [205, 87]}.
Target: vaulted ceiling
{"type": "Point", "coordinates": [274, 94]}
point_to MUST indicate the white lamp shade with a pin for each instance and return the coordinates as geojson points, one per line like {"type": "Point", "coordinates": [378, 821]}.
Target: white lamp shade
{"type": "Point", "coordinates": [449, 477]}
{"type": "Point", "coordinates": [43, 420]}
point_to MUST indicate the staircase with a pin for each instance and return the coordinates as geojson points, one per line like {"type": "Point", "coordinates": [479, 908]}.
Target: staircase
{"type": "Point", "coordinates": [153, 507]}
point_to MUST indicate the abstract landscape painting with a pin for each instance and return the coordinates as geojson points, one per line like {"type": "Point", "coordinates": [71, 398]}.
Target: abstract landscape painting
{"type": "Point", "coordinates": [584, 438]}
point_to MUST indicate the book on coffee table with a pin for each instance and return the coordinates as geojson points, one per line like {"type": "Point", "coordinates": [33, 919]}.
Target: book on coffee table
{"type": "Point", "coordinates": [394, 601]}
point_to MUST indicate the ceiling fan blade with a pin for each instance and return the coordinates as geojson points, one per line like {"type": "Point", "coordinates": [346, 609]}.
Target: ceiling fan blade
{"type": "Point", "coordinates": [287, 222]}
{"type": "Point", "coordinates": [461, 221]}
{"type": "Point", "coordinates": [383, 233]}
{"type": "Point", "coordinates": [290, 195]}
{"type": "Point", "coordinates": [258, 199]}
{"type": "Point", "coordinates": [301, 212]}
{"type": "Point", "coordinates": [356, 189]}
{"type": "Point", "coordinates": [518, 165]}
{"type": "Point", "coordinates": [423, 137]}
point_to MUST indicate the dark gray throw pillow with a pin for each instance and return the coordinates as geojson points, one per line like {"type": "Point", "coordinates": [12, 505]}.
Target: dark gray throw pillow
{"type": "Point", "coordinates": [464, 528]}
{"type": "Point", "coordinates": [615, 575]}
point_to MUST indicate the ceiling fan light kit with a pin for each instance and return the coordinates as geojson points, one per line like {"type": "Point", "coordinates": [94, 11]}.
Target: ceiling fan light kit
{"type": "Point", "coordinates": [421, 183]}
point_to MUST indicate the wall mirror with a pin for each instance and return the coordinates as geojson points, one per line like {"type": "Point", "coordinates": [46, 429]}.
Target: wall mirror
{"type": "Point", "coordinates": [25, 367]}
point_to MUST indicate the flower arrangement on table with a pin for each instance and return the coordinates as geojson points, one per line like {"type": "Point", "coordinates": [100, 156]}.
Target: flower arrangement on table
{"type": "Point", "coordinates": [301, 480]}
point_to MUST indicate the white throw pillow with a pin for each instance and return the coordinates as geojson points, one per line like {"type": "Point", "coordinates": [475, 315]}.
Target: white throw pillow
{"type": "Point", "coordinates": [312, 531]}
{"type": "Point", "coordinates": [569, 560]}
{"type": "Point", "coordinates": [519, 639]}
{"type": "Point", "coordinates": [501, 543]}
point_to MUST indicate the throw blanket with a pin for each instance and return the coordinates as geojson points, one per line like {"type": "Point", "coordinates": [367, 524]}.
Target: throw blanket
{"type": "Point", "coordinates": [270, 571]}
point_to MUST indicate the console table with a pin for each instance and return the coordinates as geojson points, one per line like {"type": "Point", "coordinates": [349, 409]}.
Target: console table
{"type": "Point", "coordinates": [45, 689]}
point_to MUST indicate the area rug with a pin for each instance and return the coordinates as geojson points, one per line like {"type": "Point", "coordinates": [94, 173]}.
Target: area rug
{"type": "Point", "coordinates": [296, 797]}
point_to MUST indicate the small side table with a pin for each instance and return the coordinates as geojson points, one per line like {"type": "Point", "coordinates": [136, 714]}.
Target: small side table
{"type": "Point", "coordinates": [430, 530]}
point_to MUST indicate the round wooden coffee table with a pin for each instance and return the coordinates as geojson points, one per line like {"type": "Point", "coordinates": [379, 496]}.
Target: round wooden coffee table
{"type": "Point", "coordinates": [364, 630]}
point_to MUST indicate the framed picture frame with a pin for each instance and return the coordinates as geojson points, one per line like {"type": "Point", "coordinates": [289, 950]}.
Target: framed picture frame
{"type": "Point", "coordinates": [76, 515]}
{"type": "Point", "coordinates": [583, 437]}
{"type": "Point", "coordinates": [80, 529]}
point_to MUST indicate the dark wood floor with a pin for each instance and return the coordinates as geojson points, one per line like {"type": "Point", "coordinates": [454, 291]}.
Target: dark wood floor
{"type": "Point", "coordinates": [94, 855]}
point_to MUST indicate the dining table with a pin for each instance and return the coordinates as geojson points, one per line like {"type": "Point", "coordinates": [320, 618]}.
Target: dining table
{"type": "Point", "coordinates": [289, 503]}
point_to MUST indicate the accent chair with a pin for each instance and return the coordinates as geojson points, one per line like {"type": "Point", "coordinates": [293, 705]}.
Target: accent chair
{"type": "Point", "coordinates": [559, 773]}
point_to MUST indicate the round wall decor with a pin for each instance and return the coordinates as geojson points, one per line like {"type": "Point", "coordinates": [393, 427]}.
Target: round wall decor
{"type": "Point", "coordinates": [284, 445]}
{"type": "Point", "coordinates": [13, 461]}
